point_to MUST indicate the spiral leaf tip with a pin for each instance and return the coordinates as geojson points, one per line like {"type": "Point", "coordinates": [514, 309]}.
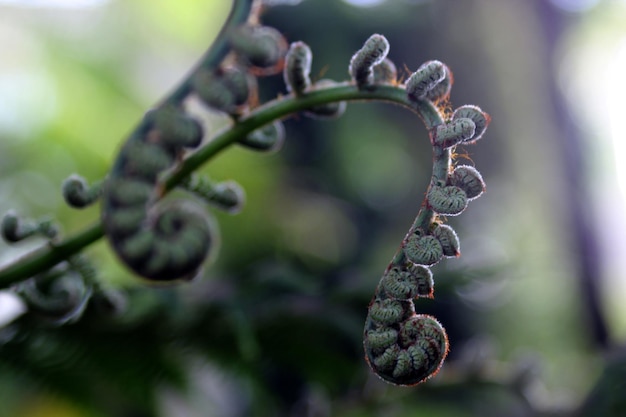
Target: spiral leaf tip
{"type": "Point", "coordinates": [171, 244]}
{"type": "Point", "coordinates": [406, 352]}
{"type": "Point", "coordinates": [158, 243]}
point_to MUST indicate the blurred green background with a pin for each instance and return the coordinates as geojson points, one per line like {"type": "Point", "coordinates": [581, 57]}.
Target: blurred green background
{"type": "Point", "coordinates": [534, 306]}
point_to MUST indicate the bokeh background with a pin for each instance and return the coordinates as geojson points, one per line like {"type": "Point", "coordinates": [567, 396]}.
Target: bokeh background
{"type": "Point", "coordinates": [533, 307]}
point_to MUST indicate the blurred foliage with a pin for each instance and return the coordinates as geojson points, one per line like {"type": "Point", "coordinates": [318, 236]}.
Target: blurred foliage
{"type": "Point", "coordinates": [274, 327]}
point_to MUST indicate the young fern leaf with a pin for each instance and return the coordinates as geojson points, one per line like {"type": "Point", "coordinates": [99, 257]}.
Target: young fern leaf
{"type": "Point", "coordinates": [401, 346]}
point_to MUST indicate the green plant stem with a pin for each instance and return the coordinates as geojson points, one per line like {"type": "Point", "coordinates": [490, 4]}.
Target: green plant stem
{"type": "Point", "coordinates": [442, 159]}
{"type": "Point", "coordinates": [53, 253]}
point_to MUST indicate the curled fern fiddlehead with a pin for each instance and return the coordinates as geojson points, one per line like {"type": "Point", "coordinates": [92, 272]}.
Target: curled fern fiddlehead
{"type": "Point", "coordinates": [170, 241]}
{"type": "Point", "coordinates": [401, 346]}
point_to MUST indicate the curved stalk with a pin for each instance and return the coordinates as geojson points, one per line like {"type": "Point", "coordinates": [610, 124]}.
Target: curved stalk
{"type": "Point", "coordinates": [279, 108]}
